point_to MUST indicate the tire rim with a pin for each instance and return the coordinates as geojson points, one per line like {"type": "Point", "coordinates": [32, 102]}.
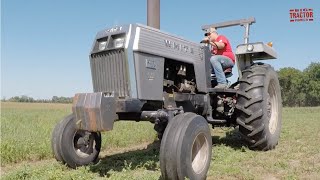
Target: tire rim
{"type": "Point", "coordinates": [272, 107]}
{"type": "Point", "coordinates": [199, 153]}
{"type": "Point", "coordinates": [83, 143]}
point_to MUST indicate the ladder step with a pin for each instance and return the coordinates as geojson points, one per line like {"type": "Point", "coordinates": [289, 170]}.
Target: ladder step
{"type": "Point", "coordinates": [213, 90]}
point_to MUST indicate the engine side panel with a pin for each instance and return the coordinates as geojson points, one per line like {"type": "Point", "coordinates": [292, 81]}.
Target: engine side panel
{"type": "Point", "coordinates": [149, 73]}
{"type": "Point", "coordinates": [156, 42]}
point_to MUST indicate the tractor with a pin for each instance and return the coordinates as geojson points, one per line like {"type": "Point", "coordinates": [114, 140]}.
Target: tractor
{"type": "Point", "coordinates": [141, 73]}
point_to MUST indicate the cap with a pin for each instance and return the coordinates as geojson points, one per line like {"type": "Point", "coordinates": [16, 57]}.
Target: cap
{"type": "Point", "coordinates": [210, 30]}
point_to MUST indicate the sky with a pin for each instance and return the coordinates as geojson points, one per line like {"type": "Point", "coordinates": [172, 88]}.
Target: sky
{"type": "Point", "coordinates": [45, 44]}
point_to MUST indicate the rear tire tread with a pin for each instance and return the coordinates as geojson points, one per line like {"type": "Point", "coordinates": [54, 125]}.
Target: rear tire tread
{"type": "Point", "coordinates": [243, 124]}
{"type": "Point", "coordinates": [254, 116]}
{"type": "Point", "coordinates": [259, 85]}
{"type": "Point", "coordinates": [245, 95]}
{"type": "Point", "coordinates": [257, 130]}
{"type": "Point", "coordinates": [252, 103]}
{"type": "Point", "coordinates": [243, 110]}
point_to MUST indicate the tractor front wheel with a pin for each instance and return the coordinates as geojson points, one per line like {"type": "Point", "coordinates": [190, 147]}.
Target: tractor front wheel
{"type": "Point", "coordinates": [55, 146]}
{"type": "Point", "coordinates": [75, 147]}
{"type": "Point", "coordinates": [186, 148]}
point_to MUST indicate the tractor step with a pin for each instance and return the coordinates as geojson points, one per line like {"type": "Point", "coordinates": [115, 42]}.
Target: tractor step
{"type": "Point", "coordinates": [213, 90]}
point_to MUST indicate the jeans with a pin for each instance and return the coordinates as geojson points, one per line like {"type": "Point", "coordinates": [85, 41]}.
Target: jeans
{"type": "Point", "coordinates": [219, 64]}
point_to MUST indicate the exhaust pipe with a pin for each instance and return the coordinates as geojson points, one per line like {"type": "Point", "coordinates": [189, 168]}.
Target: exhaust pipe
{"type": "Point", "coordinates": [153, 13]}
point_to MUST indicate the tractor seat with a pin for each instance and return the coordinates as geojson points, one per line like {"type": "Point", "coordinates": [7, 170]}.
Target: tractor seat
{"type": "Point", "coordinates": [227, 73]}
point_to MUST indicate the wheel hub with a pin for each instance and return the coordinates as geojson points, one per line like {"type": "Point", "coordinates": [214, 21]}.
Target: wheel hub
{"type": "Point", "coordinates": [272, 108]}
{"type": "Point", "coordinates": [199, 154]}
{"type": "Point", "coordinates": [83, 143]}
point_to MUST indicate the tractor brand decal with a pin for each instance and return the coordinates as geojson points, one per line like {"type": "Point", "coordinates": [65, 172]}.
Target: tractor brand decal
{"type": "Point", "coordinates": [151, 64]}
{"type": "Point", "coordinates": [301, 15]}
{"type": "Point", "coordinates": [178, 46]}
{"type": "Point", "coordinates": [114, 29]}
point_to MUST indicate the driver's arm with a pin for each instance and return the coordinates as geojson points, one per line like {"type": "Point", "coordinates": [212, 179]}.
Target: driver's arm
{"type": "Point", "coordinates": [217, 45]}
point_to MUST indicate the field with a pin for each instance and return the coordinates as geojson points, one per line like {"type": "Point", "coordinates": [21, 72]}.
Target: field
{"type": "Point", "coordinates": [131, 150]}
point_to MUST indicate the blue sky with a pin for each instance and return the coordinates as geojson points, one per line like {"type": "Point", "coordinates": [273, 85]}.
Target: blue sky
{"type": "Point", "coordinates": [45, 44]}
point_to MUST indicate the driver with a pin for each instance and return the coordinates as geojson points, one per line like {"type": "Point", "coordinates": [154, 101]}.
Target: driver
{"type": "Point", "coordinates": [222, 56]}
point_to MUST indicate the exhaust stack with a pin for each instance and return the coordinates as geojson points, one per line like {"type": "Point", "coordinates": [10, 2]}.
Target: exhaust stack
{"type": "Point", "coordinates": [153, 13]}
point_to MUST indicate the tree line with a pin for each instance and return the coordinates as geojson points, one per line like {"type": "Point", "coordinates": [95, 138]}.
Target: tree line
{"type": "Point", "coordinates": [298, 88]}
{"type": "Point", "coordinates": [54, 99]}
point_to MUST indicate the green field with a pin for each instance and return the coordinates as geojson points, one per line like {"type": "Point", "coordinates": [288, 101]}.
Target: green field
{"type": "Point", "coordinates": [131, 150]}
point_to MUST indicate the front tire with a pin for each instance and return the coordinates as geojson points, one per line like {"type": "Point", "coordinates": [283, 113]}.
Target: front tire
{"type": "Point", "coordinates": [77, 147]}
{"type": "Point", "coordinates": [186, 148]}
{"type": "Point", "coordinates": [259, 107]}
{"type": "Point", "coordinates": [55, 146]}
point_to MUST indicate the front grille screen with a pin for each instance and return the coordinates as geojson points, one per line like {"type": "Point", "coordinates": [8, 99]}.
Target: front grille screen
{"type": "Point", "coordinates": [109, 72]}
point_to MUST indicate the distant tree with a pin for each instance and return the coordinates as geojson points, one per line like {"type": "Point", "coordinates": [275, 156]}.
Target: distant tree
{"type": "Point", "coordinates": [25, 98]}
{"type": "Point", "coordinates": [292, 86]}
{"type": "Point", "coordinates": [312, 83]}
{"type": "Point", "coordinates": [14, 99]}
{"type": "Point", "coordinates": [54, 99]}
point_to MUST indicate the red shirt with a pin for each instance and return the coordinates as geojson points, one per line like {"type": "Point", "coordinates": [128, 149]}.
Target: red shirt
{"type": "Point", "coordinates": [226, 51]}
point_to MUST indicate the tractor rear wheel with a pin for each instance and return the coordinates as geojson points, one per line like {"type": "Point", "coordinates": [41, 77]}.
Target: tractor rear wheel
{"type": "Point", "coordinates": [259, 107]}
{"type": "Point", "coordinates": [77, 147]}
{"type": "Point", "coordinates": [186, 148]}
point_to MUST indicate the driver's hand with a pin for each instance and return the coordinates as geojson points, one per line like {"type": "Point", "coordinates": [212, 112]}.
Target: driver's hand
{"type": "Point", "coordinates": [205, 40]}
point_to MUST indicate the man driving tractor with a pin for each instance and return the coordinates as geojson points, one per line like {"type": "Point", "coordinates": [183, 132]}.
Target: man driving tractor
{"type": "Point", "coordinates": [223, 57]}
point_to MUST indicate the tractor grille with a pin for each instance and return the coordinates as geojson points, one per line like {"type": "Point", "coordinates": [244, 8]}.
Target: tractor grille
{"type": "Point", "coordinates": [109, 72]}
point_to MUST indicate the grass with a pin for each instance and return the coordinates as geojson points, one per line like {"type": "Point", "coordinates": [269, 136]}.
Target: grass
{"type": "Point", "coordinates": [26, 131]}
{"type": "Point", "coordinates": [131, 152]}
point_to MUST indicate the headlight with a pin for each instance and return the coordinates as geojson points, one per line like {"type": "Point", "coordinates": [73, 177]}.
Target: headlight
{"type": "Point", "coordinates": [250, 47]}
{"type": "Point", "coordinates": [119, 42]}
{"type": "Point", "coordinates": [102, 45]}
